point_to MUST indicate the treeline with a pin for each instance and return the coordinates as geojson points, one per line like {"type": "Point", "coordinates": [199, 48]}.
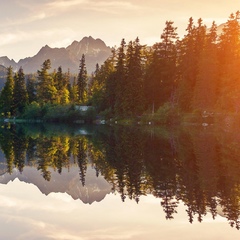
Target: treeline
{"type": "Point", "coordinates": [44, 95]}
{"type": "Point", "coordinates": [199, 73]}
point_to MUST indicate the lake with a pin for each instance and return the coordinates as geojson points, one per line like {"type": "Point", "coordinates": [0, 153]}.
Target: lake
{"type": "Point", "coordinates": [119, 182]}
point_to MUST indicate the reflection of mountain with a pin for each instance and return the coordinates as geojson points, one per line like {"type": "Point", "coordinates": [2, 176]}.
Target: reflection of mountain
{"type": "Point", "coordinates": [3, 164]}
{"type": "Point", "coordinates": [95, 189]}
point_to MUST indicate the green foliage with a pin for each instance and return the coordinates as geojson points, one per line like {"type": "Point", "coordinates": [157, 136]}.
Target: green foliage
{"type": "Point", "coordinates": [20, 97]}
{"type": "Point", "coordinates": [47, 92]}
{"type": "Point", "coordinates": [31, 87]}
{"type": "Point", "coordinates": [90, 115]}
{"type": "Point", "coordinates": [33, 111]}
{"type": "Point", "coordinates": [160, 80]}
{"type": "Point", "coordinates": [82, 81]}
{"type": "Point", "coordinates": [6, 96]}
{"type": "Point", "coordinates": [61, 84]}
{"type": "Point", "coordinates": [56, 113]}
{"type": "Point", "coordinates": [166, 114]}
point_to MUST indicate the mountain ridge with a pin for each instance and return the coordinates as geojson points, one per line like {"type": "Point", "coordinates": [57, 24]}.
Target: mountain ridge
{"type": "Point", "coordinates": [95, 51]}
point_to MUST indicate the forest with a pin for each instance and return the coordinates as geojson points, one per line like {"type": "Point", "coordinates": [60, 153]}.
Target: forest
{"type": "Point", "coordinates": [197, 75]}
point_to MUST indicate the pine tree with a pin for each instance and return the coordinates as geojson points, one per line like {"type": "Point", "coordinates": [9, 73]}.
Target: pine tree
{"type": "Point", "coordinates": [134, 101]}
{"type": "Point", "coordinates": [20, 98]}
{"type": "Point", "coordinates": [205, 92]}
{"type": "Point", "coordinates": [160, 81]}
{"type": "Point", "coordinates": [190, 49]}
{"type": "Point", "coordinates": [46, 91]}
{"type": "Point", "coordinates": [6, 96]}
{"type": "Point", "coordinates": [229, 64]}
{"type": "Point", "coordinates": [61, 83]}
{"type": "Point", "coordinates": [120, 79]}
{"type": "Point", "coordinates": [168, 53]}
{"type": "Point", "coordinates": [110, 83]}
{"type": "Point", "coordinates": [73, 91]}
{"type": "Point", "coordinates": [82, 81]}
{"type": "Point", "coordinates": [31, 87]}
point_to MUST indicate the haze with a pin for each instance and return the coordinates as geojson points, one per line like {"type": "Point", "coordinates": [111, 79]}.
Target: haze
{"type": "Point", "coordinates": [27, 25]}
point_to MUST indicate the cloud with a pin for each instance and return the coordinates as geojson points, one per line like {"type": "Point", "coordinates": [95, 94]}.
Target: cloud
{"type": "Point", "coordinates": [23, 36]}
{"type": "Point", "coordinates": [14, 44]}
{"type": "Point", "coordinates": [99, 6]}
{"type": "Point", "coordinates": [7, 38]}
{"type": "Point", "coordinates": [65, 4]}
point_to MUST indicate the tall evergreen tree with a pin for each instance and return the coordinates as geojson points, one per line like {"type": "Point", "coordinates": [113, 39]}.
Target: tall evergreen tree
{"type": "Point", "coordinates": [20, 98]}
{"type": "Point", "coordinates": [229, 64]}
{"type": "Point", "coordinates": [46, 89]}
{"type": "Point", "coordinates": [190, 50]}
{"type": "Point", "coordinates": [120, 79]}
{"type": "Point", "coordinates": [205, 91]}
{"type": "Point", "coordinates": [82, 81]}
{"type": "Point", "coordinates": [6, 96]}
{"type": "Point", "coordinates": [73, 91]}
{"type": "Point", "coordinates": [110, 79]}
{"type": "Point", "coordinates": [31, 87]}
{"type": "Point", "coordinates": [97, 87]}
{"type": "Point", "coordinates": [61, 83]}
{"type": "Point", "coordinates": [134, 101]}
{"type": "Point", "coordinates": [160, 81]}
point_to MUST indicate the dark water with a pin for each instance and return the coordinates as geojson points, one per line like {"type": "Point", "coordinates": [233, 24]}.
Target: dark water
{"type": "Point", "coordinates": [102, 182]}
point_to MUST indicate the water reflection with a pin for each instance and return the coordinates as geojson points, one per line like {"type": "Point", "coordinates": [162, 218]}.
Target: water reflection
{"type": "Point", "coordinates": [199, 167]}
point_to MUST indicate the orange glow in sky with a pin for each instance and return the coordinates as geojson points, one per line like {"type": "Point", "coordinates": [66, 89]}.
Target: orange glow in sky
{"type": "Point", "coordinates": [27, 25]}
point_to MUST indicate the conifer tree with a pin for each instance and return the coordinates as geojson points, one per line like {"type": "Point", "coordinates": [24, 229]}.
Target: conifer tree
{"type": "Point", "coordinates": [134, 101]}
{"type": "Point", "coordinates": [20, 98]}
{"type": "Point", "coordinates": [160, 81]}
{"type": "Point", "coordinates": [110, 83]}
{"type": "Point", "coordinates": [205, 91]}
{"type": "Point", "coordinates": [101, 95]}
{"type": "Point", "coordinates": [190, 49]}
{"type": "Point", "coordinates": [229, 64]}
{"type": "Point", "coordinates": [46, 90]}
{"type": "Point", "coordinates": [73, 91]}
{"type": "Point", "coordinates": [6, 96]}
{"type": "Point", "coordinates": [31, 87]}
{"type": "Point", "coordinates": [61, 83]}
{"type": "Point", "coordinates": [82, 81]}
{"type": "Point", "coordinates": [120, 79]}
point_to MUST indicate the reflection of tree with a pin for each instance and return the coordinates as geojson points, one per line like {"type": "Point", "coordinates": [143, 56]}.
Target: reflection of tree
{"type": "Point", "coordinates": [200, 168]}
{"type": "Point", "coordinates": [61, 158]}
{"type": "Point", "coordinates": [162, 168]}
{"type": "Point", "coordinates": [52, 152]}
{"type": "Point", "coordinates": [192, 194]}
{"type": "Point", "coordinates": [82, 158]}
{"type": "Point", "coordinates": [124, 152]}
{"type": "Point", "coordinates": [31, 150]}
{"type": "Point", "coordinates": [13, 144]}
{"type": "Point", "coordinates": [45, 152]}
{"type": "Point", "coordinates": [19, 148]}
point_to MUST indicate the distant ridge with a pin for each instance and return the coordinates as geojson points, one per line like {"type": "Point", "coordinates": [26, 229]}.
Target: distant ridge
{"type": "Point", "coordinates": [95, 51]}
{"type": "Point", "coordinates": [3, 71]}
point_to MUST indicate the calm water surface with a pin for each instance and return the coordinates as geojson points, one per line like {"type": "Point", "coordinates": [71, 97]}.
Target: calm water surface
{"type": "Point", "coordinates": [91, 183]}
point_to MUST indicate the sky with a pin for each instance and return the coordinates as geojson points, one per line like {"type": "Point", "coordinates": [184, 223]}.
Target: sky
{"type": "Point", "coordinates": [28, 25]}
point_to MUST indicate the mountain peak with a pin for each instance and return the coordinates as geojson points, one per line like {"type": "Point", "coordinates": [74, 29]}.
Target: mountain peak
{"type": "Point", "coordinates": [95, 51]}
